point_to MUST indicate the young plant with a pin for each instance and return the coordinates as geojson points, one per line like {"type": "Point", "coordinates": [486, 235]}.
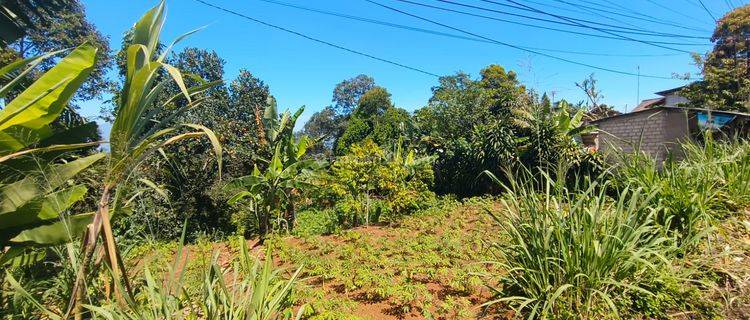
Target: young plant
{"type": "Point", "coordinates": [271, 191]}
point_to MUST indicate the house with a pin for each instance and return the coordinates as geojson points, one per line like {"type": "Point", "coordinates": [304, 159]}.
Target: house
{"type": "Point", "coordinates": [669, 98]}
{"type": "Point", "coordinates": [657, 127]}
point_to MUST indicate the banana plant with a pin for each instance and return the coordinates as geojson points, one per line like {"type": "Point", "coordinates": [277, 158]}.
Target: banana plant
{"type": "Point", "coordinates": [136, 134]}
{"type": "Point", "coordinates": [273, 189]}
{"type": "Point", "coordinates": [34, 191]}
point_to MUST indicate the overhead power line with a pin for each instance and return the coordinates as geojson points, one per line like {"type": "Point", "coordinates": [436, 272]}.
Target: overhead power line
{"type": "Point", "coordinates": [656, 21]}
{"type": "Point", "coordinates": [514, 46]}
{"type": "Point", "coordinates": [656, 3]}
{"type": "Point", "coordinates": [616, 6]}
{"type": "Point", "coordinates": [707, 11]}
{"type": "Point", "coordinates": [594, 28]}
{"type": "Point", "coordinates": [574, 22]}
{"type": "Point", "coordinates": [451, 35]}
{"type": "Point", "coordinates": [537, 26]}
{"type": "Point", "coordinates": [330, 44]}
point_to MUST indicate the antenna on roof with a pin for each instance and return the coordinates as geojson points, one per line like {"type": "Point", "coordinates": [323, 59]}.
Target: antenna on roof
{"type": "Point", "coordinates": [638, 90]}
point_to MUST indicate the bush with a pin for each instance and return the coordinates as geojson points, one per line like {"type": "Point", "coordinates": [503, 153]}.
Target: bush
{"type": "Point", "coordinates": [315, 222]}
{"type": "Point", "coordinates": [368, 184]}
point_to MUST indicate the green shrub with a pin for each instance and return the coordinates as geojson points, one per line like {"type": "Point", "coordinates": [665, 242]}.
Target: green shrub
{"type": "Point", "coordinates": [369, 184]}
{"type": "Point", "coordinates": [315, 222]}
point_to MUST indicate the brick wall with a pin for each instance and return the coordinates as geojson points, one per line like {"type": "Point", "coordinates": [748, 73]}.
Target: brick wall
{"type": "Point", "coordinates": [655, 132]}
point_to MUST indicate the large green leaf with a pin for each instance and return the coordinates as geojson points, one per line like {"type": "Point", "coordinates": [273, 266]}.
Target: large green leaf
{"type": "Point", "coordinates": [54, 233]}
{"type": "Point", "coordinates": [43, 208]}
{"type": "Point", "coordinates": [35, 108]}
{"type": "Point", "coordinates": [17, 194]}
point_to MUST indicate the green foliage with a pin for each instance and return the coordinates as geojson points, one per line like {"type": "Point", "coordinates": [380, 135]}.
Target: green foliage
{"type": "Point", "coordinates": [726, 69]}
{"type": "Point", "coordinates": [347, 93]}
{"type": "Point", "coordinates": [468, 124]}
{"type": "Point", "coordinates": [313, 222]}
{"type": "Point", "coordinates": [252, 289]}
{"type": "Point", "coordinates": [551, 136]}
{"type": "Point", "coordinates": [573, 253]}
{"type": "Point", "coordinates": [375, 118]}
{"type": "Point", "coordinates": [357, 130]}
{"type": "Point", "coordinates": [325, 126]}
{"type": "Point", "coordinates": [370, 184]}
{"type": "Point", "coordinates": [35, 195]}
{"type": "Point", "coordinates": [271, 193]}
{"type": "Point", "coordinates": [373, 102]}
{"type": "Point", "coordinates": [56, 25]}
{"type": "Point", "coordinates": [692, 194]}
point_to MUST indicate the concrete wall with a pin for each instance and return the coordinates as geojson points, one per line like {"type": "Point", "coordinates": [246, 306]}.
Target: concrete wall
{"type": "Point", "coordinates": [656, 132]}
{"type": "Point", "coordinates": [673, 100]}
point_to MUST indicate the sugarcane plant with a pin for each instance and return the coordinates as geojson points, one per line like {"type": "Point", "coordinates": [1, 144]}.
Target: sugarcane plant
{"type": "Point", "coordinates": [144, 123]}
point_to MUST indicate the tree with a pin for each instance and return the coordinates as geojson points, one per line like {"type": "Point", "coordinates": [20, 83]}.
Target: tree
{"type": "Point", "coordinates": [594, 108]}
{"type": "Point", "coordinates": [357, 130]}
{"type": "Point", "coordinates": [374, 102]}
{"type": "Point", "coordinates": [375, 118]}
{"type": "Point", "coordinates": [250, 98]}
{"type": "Point", "coordinates": [593, 94]}
{"type": "Point", "coordinates": [469, 124]}
{"type": "Point", "coordinates": [324, 126]}
{"type": "Point", "coordinates": [726, 69]}
{"type": "Point", "coordinates": [371, 184]}
{"type": "Point", "coordinates": [187, 171]}
{"type": "Point", "coordinates": [347, 93]}
{"type": "Point", "coordinates": [59, 25]}
{"type": "Point", "coordinates": [503, 88]}
{"type": "Point", "coordinates": [550, 136]}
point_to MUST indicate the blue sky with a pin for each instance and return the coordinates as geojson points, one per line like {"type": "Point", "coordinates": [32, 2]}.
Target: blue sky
{"type": "Point", "coordinates": [301, 72]}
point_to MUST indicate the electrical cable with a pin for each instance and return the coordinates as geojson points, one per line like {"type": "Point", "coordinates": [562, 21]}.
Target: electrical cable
{"type": "Point", "coordinates": [317, 40]}
{"type": "Point", "coordinates": [514, 46]}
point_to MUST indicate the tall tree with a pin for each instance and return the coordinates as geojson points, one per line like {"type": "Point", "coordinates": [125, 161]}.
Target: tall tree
{"type": "Point", "coordinates": [347, 93]}
{"type": "Point", "coordinates": [726, 69]}
{"type": "Point", "coordinates": [55, 25]}
{"type": "Point", "coordinates": [375, 118]}
{"type": "Point", "coordinates": [468, 123]}
{"type": "Point", "coordinates": [324, 126]}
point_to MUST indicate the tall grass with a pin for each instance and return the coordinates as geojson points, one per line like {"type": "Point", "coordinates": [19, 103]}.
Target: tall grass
{"type": "Point", "coordinates": [251, 290]}
{"type": "Point", "coordinates": [573, 252]}
{"type": "Point", "coordinates": [710, 182]}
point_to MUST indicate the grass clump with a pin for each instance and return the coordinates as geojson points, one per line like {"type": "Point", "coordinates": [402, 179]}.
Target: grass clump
{"type": "Point", "coordinates": [574, 252]}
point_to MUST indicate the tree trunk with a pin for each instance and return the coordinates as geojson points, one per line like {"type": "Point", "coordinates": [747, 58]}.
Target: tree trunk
{"type": "Point", "coordinates": [290, 215]}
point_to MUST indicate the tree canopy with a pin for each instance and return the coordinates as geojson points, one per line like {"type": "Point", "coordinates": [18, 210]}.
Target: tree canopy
{"type": "Point", "coordinates": [726, 69]}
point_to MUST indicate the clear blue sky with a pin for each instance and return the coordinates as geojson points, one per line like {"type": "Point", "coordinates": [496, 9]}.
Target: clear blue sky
{"type": "Point", "coordinates": [302, 72]}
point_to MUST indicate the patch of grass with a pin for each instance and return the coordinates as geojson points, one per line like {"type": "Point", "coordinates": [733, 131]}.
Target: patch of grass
{"type": "Point", "coordinates": [574, 253]}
